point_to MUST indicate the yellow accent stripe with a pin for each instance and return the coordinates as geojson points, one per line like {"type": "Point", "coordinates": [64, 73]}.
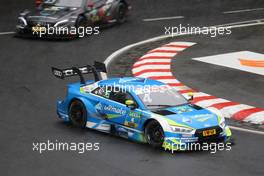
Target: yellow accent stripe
{"type": "Point", "coordinates": [173, 123]}
{"type": "Point", "coordinates": [110, 116]}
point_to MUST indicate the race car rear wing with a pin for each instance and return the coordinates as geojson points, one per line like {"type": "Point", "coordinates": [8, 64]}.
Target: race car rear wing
{"type": "Point", "coordinates": [80, 71]}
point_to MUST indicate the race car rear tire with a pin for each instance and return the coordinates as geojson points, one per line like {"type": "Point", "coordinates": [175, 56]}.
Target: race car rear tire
{"type": "Point", "coordinates": [154, 134]}
{"type": "Point", "coordinates": [121, 13]}
{"type": "Point", "coordinates": [78, 114]}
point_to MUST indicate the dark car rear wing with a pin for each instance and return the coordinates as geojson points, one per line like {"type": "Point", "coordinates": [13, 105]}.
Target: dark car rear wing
{"type": "Point", "coordinates": [80, 71]}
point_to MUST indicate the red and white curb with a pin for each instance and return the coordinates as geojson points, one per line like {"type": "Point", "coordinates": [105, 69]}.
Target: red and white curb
{"type": "Point", "coordinates": [156, 64]}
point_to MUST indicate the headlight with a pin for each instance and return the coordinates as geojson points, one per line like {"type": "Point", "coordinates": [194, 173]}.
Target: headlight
{"type": "Point", "coordinates": [61, 23]}
{"type": "Point", "coordinates": [22, 21]}
{"type": "Point", "coordinates": [178, 129]}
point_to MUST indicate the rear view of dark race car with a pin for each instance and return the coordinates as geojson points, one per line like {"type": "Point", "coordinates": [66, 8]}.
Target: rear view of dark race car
{"type": "Point", "coordinates": [65, 17]}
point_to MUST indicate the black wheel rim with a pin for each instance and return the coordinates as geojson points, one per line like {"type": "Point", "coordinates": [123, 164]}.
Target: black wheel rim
{"type": "Point", "coordinates": [155, 134]}
{"type": "Point", "coordinates": [82, 23]}
{"type": "Point", "coordinates": [122, 14]}
{"type": "Point", "coordinates": [77, 114]}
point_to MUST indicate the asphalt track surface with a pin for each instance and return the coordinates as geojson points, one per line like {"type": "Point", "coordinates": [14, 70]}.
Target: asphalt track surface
{"type": "Point", "coordinates": [28, 94]}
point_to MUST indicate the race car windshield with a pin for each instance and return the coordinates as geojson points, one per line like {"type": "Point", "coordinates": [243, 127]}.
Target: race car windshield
{"type": "Point", "coordinates": [162, 98]}
{"type": "Point", "coordinates": [69, 3]}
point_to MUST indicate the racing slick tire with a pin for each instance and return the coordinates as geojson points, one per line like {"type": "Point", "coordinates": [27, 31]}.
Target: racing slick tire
{"type": "Point", "coordinates": [154, 134]}
{"type": "Point", "coordinates": [121, 13]}
{"type": "Point", "coordinates": [78, 114]}
{"type": "Point", "coordinates": [81, 22]}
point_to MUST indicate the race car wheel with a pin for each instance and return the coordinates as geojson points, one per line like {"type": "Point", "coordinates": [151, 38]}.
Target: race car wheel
{"type": "Point", "coordinates": [154, 134]}
{"type": "Point", "coordinates": [78, 114]}
{"type": "Point", "coordinates": [81, 22]}
{"type": "Point", "coordinates": [121, 13]}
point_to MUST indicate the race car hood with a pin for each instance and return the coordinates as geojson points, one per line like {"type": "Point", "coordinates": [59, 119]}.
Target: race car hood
{"type": "Point", "coordinates": [52, 14]}
{"type": "Point", "coordinates": [189, 115]}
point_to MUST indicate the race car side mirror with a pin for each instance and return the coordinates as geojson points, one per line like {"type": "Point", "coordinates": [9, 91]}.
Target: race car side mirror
{"type": "Point", "coordinates": [190, 96]}
{"type": "Point", "coordinates": [130, 104]}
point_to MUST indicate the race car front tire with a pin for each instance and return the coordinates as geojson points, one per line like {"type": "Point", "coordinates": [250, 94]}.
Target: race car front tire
{"type": "Point", "coordinates": [81, 22]}
{"type": "Point", "coordinates": [78, 114]}
{"type": "Point", "coordinates": [122, 13]}
{"type": "Point", "coordinates": [154, 134]}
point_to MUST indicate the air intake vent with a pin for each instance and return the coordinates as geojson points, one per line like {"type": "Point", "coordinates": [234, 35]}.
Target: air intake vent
{"type": "Point", "coordinates": [163, 112]}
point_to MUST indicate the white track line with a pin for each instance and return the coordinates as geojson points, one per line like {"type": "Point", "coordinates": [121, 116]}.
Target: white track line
{"type": "Point", "coordinates": [6, 33]}
{"type": "Point", "coordinates": [242, 10]}
{"type": "Point", "coordinates": [247, 130]}
{"type": "Point", "coordinates": [163, 18]}
{"type": "Point", "coordinates": [242, 23]}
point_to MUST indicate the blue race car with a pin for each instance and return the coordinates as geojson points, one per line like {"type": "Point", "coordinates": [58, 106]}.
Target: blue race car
{"type": "Point", "coordinates": [139, 109]}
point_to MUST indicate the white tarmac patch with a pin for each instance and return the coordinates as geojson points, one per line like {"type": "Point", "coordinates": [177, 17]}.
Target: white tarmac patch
{"type": "Point", "coordinates": [233, 60]}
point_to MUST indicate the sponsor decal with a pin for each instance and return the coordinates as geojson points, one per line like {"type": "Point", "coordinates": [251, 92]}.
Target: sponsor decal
{"type": "Point", "coordinates": [99, 106]}
{"type": "Point", "coordinates": [183, 109]}
{"type": "Point", "coordinates": [203, 119]}
{"type": "Point", "coordinates": [57, 73]}
{"type": "Point", "coordinates": [130, 124]}
{"type": "Point", "coordinates": [134, 114]}
{"type": "Point", "coordinates": [186, 120]}
{"type": "Point", "coordinates": [111, 108]}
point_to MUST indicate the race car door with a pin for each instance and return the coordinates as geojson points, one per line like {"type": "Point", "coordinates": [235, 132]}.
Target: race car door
{"type": "Point", "coordinates": [115, 110]}
{"type": "Point", "coordinates": [133, 115]}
